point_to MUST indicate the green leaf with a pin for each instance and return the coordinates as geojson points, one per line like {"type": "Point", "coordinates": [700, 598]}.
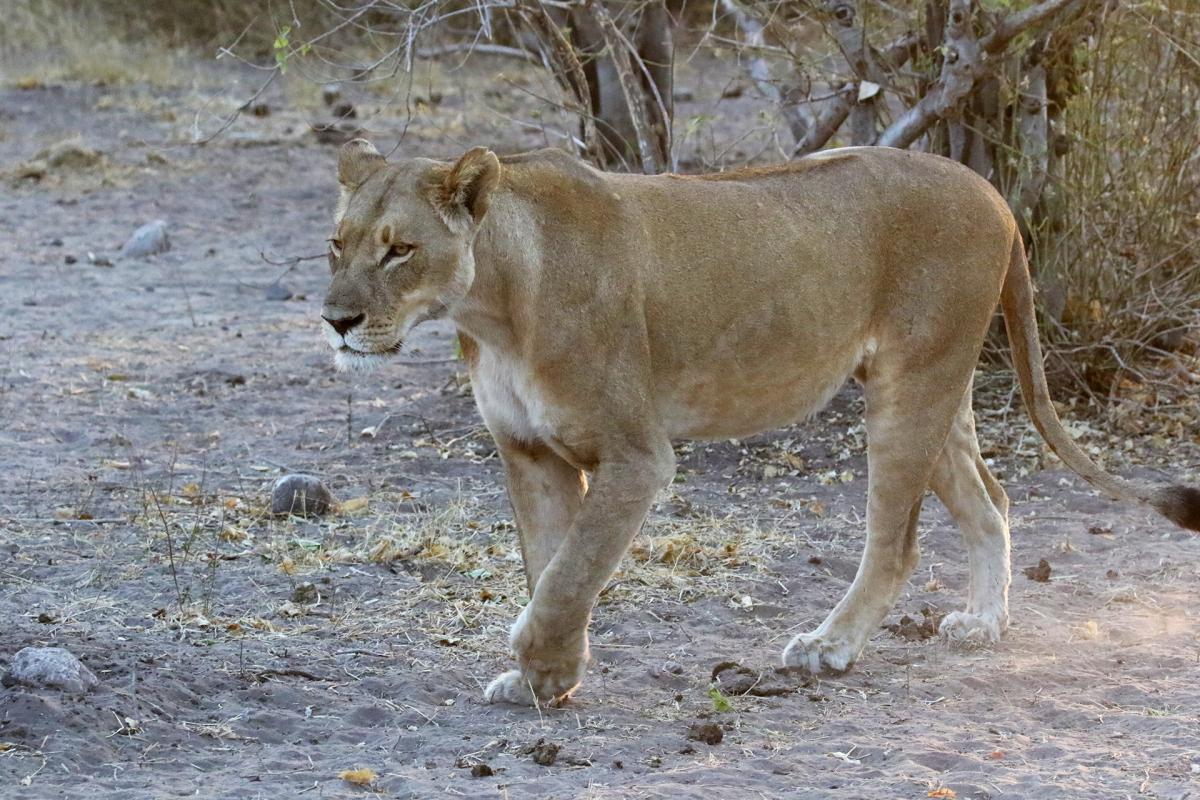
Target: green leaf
{"type": "Point", "coordinates": [720, 701]}
{"type": "Point", "coordinates": [281, 47]}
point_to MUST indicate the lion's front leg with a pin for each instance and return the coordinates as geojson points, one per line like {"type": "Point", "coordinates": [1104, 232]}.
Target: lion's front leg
{"type": "Point", "coordinates": [546, 493]}
{"type": "Point", "coordinates": [549, 638]}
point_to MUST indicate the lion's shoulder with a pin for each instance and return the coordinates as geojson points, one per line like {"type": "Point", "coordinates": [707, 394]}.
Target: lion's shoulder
{"type": "Point", "coordinates": [550, 158]}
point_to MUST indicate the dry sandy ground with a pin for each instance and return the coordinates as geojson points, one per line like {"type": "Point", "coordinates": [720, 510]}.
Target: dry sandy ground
{"type": "Point", "coordinates": [147, 406]}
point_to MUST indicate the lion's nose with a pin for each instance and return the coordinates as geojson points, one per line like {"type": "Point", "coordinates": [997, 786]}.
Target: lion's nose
{"type": "Point", "coordinates": [343, 325]}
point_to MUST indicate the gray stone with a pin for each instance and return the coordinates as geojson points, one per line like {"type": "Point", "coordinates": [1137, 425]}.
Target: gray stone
{"type": "Point", "coordinates": [305, 593]}
{"type": "Point", "coordinates": [50, 668]}
{"type": "Point", "coordinates": [277, 291]}
{"type": "Point", "coordinates": [302, 495]}
{"type": "Point", "coordinates": [148, 240]}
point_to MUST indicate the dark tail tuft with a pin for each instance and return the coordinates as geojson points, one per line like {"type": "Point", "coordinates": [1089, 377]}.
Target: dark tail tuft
{"type": "Point", "coordinates": [1180, 504]}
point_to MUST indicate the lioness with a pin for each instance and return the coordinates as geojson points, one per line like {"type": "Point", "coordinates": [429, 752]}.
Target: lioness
{"type": "Point", "coordinates": [605, 315]}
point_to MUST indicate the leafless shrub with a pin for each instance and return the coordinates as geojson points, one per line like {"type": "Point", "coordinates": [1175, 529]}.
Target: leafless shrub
{"type": "Point", "coordinates": [1120, 260]}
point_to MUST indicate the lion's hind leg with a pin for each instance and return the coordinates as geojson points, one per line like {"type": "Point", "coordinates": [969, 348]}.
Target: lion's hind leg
{"type": "Point", "coordinates": [907, 425]}
{"type": "Point", "coordinates": [979, 505]}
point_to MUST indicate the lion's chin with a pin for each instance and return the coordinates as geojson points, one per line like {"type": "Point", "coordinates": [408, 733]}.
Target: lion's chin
{"type": "Point", "coordinates": [348, 360]}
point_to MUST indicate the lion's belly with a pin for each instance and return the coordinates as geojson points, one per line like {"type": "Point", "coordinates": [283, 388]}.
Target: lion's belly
{"type": "Point", "coordinates": [735, 400]}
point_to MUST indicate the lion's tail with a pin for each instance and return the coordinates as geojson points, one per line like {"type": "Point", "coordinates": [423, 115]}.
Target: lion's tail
{"type": "Point", "coordinates": [1180, 504]}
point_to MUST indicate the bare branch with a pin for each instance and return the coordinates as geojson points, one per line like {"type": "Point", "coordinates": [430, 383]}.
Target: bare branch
{"type": "Point", "coordinates": [1014, 25]}
{"type": "Point", "coordinates": [966, 62]}
{"type": "Point", "coordinates": [563, 62]}
{"type": "Point", "coordinates": [472, 48]}
{"type": "Point", "coordinates": [629, 88]}
{"type": "Point", "coordinates": [831, 117]}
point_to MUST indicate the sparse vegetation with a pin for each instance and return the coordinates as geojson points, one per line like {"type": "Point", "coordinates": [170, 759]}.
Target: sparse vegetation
{"type": "Point", "coordinates": [148, 406]}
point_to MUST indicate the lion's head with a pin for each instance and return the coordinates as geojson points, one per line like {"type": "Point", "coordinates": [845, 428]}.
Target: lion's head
{"type": "Point", "coordinates": [401, 250]}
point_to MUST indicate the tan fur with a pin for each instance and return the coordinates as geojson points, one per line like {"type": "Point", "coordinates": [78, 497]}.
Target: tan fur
{"type": "Point", "coordinates": [605, 315]}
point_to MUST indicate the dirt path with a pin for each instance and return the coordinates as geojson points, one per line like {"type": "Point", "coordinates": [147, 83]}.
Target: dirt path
{"type": "Point", "coordinates": [147, 406]}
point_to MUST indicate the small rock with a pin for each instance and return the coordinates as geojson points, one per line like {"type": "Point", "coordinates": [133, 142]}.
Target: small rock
{"type": "Point", "coordinates": [147, 240]}
{"type": "Point", "coordinates": [278, 292]}
{"type": "Point", "coordinates": [667, 668]}
{"type": "Point", "coordinates": [1040, 573]}
{"type": "Point", "coordinates": [707, 732]}
{"type": "Point", "coordinates": [331, 93]}
{"type": "Point", "coordinates": [482, 771]}
{"type": "Point", "coordinates": [69, 259]}
{"type": "Point", "coordinates": [50, 668]}
{"type": "Point", "coordinates": [260, 109]}
{"type": "Point", "coordinates": [344, 110]}
{"type": "Point", "coordinates": [47, 619]}
{"type": "Point", "coordinates": [302, 495]}
{"type": "Point", "coordinates": [305, 593]}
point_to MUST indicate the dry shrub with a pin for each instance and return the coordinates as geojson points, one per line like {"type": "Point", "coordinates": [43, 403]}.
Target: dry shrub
{"type": "Point", "coordinates": [1120, 267]}
{"type": "Point", "coordinates": [44, 41]}
{"type": "Point", "coordinates": [112, 42]}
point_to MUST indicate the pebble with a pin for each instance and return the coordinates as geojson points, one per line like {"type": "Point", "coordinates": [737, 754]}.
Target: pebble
{"type": "Point", "coordinates": [277, 291]}
{"type": "Point", "coordinates": [50, 668]}
{"type": "Point", "coordinates": [305, 593]}
{"type": "Point", "coordinates": [708, 732]}
{"type": "Point", "coordinates": [302, 495]}
{"type": "Point", "coordinates": [148, 240]}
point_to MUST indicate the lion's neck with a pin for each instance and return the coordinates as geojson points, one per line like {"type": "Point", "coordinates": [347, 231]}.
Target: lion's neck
{"type": "Point", "coordinates": [504, 264]}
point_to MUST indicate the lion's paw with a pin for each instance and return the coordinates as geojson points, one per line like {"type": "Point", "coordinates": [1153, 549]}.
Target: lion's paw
{"type": "Point", "coordinates": [510, 687]}
{"type": "Point", "coordinates": [964, 629]}
{"type": "Point", "coordinates": [819, 655]}
{"type": "Point", "coordinates": [532, 688]}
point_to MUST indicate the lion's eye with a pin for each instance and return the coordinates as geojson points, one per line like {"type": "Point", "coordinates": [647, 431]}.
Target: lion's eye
{"type": "Point", "coordinates": [398, 254]}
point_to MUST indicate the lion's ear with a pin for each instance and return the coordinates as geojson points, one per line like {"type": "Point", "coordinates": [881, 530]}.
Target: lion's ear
{"type": "Point", "coordinates": [465, 191]}
{"type": "Point", "coordinates": [357, 161]}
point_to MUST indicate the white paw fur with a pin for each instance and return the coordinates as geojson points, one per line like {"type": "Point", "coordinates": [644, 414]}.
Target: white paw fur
{"type": "Point", "coordinates": [964, 629]}
{"type": "Point", "coordinates": [819, 655]}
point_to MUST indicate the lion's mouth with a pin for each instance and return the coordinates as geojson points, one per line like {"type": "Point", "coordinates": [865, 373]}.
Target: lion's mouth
{"type": "Point", "coordinates": [387, 351]}
{"type": "Point", "coordinates": [349, 359]}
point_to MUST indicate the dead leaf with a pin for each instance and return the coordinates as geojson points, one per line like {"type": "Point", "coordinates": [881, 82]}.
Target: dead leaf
{"type": "Point", "coordinates": [944, 792]}
{"type": "Point", "coordinates": [354, 505]}
{"type": "Point", "coordinates": [360, 776]}
{"type": "Point", "coordinates": [1040, 573]}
